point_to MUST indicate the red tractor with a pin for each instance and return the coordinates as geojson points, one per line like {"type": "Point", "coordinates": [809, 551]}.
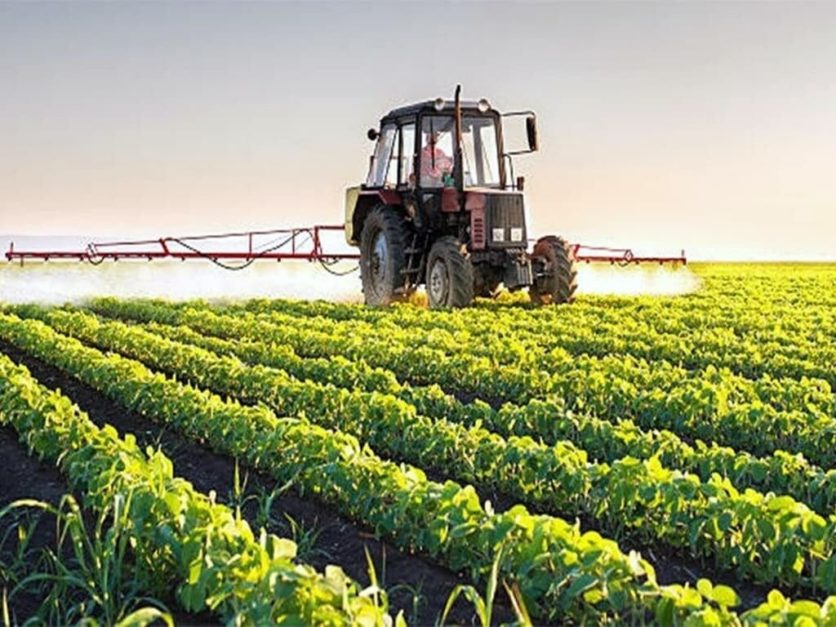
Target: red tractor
{"type": "Point", "coordinates": [440, 207]}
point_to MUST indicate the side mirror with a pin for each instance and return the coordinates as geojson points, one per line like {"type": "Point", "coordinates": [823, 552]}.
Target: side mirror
{"type": "Point", "coordinates": [372, 134]}
{"type": "Point", "coordinates": [531, 131]}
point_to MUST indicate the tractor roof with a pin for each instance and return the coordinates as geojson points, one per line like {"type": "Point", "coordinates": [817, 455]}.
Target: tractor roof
{"type": "Point", "coordinates": [428, 106]}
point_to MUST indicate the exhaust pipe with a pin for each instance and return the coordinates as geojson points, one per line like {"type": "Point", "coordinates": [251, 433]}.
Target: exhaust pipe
{"type": "Point", "coordinates": [458, 164]}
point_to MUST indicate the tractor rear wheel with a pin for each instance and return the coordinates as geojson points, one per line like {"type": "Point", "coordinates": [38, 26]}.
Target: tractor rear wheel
{"type": "Point", "coordinates": [449, 274]}
{"type": "Point", "coordinates": [383, 256]}
{"type": "Point", "coordinates": [555, 278]}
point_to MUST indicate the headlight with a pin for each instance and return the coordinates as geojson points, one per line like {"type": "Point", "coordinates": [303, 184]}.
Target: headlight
{"type": "Point", "coordinates": [484, 106]}
{"type": "Point", "coordinates": [498, 235]}
{"type": "Point", "coordinates": [516, 234]}
{"type": "Point", "coordinates": [439, 104]}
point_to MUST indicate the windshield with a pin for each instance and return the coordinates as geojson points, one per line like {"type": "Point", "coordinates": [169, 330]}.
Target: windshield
{"type": "Point", "coordinates": [479, 147]}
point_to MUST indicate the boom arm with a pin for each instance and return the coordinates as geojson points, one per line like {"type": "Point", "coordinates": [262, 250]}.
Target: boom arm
{"type": "Point", "coordinates": [621, 256]}
{"type": "Point", "coordinates": [305, 244]}
{"type": "Point", "coordinates": [300, 243]}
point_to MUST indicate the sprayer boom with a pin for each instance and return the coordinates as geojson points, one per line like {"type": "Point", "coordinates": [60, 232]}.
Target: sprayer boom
{"type": "Point", "coordinates": [305, 244]}
{"type": "Point", "coordinates": [301, 244]}
{"type": "Point", "coordinates": [620, 256]}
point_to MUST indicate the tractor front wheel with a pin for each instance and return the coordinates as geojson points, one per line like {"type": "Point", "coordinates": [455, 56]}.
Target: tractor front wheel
{"type": "Point", "coordinates": [383, 256]}
{"type": "Point", "coordinates": [449, 274]}
{"type": "Point", "coordinates": [555, 276]}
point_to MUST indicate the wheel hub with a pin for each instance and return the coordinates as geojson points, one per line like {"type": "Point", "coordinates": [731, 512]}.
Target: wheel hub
{"type": "Point", "coordinates": [439, 282]}
{"type": "Point", "coordinates": [379, 258]}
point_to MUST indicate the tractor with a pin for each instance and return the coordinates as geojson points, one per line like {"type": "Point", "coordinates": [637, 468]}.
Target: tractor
{"type": "Point", "coordinates": [441, 207]}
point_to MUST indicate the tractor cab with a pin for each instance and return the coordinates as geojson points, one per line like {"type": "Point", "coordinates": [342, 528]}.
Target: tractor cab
{"type": "Point", "coordinates": [416, 148]}
{"type": "Point", "coordinates": [440, 179]}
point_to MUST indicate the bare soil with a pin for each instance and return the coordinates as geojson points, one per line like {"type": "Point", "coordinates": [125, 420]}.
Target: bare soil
{"type": "Point", "coordinates": [26, 477]}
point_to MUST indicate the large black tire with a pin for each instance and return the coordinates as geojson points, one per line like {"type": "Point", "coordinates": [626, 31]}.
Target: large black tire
{"type": "Point", "coordinates": [449, 274]}
{"type": "Point", "coordinates": [553, 257]}
{"type": "Point", "coordinates": [383, 256]}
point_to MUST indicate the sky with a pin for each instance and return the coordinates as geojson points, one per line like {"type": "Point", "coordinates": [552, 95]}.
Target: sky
{"type": "Point", "coordinates": [709, 127]}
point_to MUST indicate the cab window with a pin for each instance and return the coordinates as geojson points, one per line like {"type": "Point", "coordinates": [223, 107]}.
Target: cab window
{"type": "Point", "coordinates": [436, 155]}
{"type": "Point", "coordinates": [382, 157]}
{"type": "Point", "coordinates": [407, 154]}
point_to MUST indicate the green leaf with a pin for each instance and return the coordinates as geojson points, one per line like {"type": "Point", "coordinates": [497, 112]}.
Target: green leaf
{"type": "Point", "coordinates": [725, 596]}
{"type": "Point", "coordinates": [580, 585]}
{"type": "Point", "coordinates": [146, 616]}
{"type": "Point", "coordinates": [781, 502]}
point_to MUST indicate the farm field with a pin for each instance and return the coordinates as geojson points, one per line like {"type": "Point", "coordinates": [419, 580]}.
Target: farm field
{"type": "Point", "coordinates": [625, 459]}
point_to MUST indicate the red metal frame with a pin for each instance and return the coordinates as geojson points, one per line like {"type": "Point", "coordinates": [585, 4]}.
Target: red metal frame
{"type": "Point", "coordinates": [300, 244]}
{"type": "Point", "coordinates": [621, 256]}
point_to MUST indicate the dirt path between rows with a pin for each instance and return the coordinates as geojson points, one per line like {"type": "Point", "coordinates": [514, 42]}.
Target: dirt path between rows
{"type": "Point", "coordinates": [26, 477]}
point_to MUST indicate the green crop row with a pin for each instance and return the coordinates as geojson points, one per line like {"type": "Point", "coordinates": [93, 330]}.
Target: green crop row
{"type": "Point", "coordinates": [524, 340]}
{"type": "Point", "coordinates": [501, 340]}
{"type": "Point", "coordinates": [768, 538]}
{"type": "Point", "coordinates": [653, 333]}
{"type": "Point", "coordinates": [563, 573]}
{"type": "Point", "coordinates": [603, 440]}
{"type": "Point", "coordinates": [180, 538]}
{"type": "Point", "coordinates": [752, 326]}
{"type": "Point", "coordinates": [799, 306]}
{"type": "Point", "coordinates": [699, 409]}
{"type": "Point", "coordinates": [560, 571]}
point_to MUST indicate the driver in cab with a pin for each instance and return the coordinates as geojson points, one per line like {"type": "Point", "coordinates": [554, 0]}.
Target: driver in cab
{"type": "Point", "coordinates": [436, 165]}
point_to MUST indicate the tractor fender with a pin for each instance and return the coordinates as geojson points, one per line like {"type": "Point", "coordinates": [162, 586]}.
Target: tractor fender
{"type": "Point", "coordinates": [358, 203]}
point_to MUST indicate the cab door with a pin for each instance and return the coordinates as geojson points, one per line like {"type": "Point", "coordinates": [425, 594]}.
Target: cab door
{"type": "Point", "coordinates": [408, 155]}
